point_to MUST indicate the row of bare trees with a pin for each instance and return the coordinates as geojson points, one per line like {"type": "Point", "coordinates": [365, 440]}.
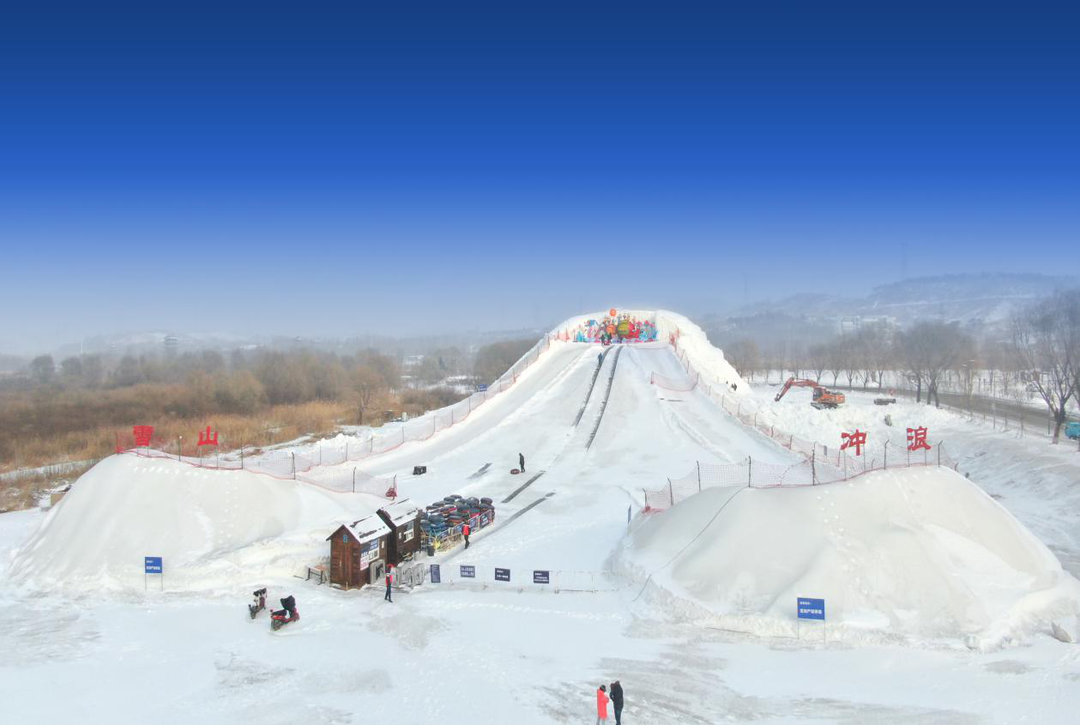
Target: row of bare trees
{"type": "Point", "coordinates": [1046, 341]}
{"type": "Point", "coordinates": [1042, 352]}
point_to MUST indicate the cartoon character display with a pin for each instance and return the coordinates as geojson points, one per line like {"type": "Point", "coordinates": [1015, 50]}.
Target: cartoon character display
{"type": "Point", "coordinates": [621, 328]}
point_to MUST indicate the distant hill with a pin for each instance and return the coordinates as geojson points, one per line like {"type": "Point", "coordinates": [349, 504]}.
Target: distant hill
{"type": "Point", "coordinates": [965, 298]}
{"type": "Point", "coordinates": [982, 303]}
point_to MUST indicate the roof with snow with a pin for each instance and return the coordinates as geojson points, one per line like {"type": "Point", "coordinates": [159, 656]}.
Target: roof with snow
{"type": "Point", "coordinates": [401, 512]}
{"type": "Point", "coordinates": [366, 529]}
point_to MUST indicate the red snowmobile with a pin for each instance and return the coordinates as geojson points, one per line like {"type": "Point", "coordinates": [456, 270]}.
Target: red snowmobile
{"type": "Point", "coordinates": [287, 614]}
{"type": "Point", "coordinates": [259, 604]}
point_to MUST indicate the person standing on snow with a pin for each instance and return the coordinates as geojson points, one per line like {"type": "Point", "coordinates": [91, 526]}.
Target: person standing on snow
{"type": "Point", "coordinates": [601, 705]}
{"type": "Point", "coordinates": [521, 462]}
{"type": "Point", "coordinates": [617, 701]}
{"type": "Point", "coordinates": [389, 581]}
{"type": "Point", "coordinates": [465, 533]}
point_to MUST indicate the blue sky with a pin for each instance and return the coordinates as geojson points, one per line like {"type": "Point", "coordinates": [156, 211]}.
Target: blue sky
{"type": "Point", "coordinates": [339, 168]}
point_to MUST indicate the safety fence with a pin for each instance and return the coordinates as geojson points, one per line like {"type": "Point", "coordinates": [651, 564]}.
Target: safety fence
{"type": "Point", "coordinates": [822, 464]}
{"type": "Point", "coordinates": [304, 467]}
{"type": "Point", "coordinates": [292, 467]}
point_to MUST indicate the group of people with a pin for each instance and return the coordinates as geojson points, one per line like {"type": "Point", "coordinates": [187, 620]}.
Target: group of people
{"type": "Point", "coordinates": [616, 700]}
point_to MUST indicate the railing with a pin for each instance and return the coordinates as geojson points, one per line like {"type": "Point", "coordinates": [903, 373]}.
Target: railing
{"type": "Point", "coordinates": [302, 467]}
{"type": "Point", "coordinates": [821, 465]}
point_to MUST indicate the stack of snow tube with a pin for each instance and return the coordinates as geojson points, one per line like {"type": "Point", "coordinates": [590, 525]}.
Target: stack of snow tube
{"type": "Point", "coordinates": [453, 511]}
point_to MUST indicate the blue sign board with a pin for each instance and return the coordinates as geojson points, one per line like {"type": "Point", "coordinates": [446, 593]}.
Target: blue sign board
{"type": "Point", "coordinates": [541, 577]}
{"type": "Point", "coordinates": [436, 575]}
{"type": "Point", "coordinates": [481, 388]}
{"type": "Point", "coordinates": [152, 564]}
{"type": "Point", "coordinates": [811, 608]}
{"type": "Point", "coordinates": [502, 575]}
{"type": "Point", "coordinates": [468, 572]}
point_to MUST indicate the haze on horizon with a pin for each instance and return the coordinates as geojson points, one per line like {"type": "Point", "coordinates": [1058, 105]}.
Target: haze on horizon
{"type": "Point", "coordinates": [359, 171]}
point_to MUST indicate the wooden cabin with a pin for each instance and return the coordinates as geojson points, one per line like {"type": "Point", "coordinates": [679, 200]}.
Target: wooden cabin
{"type": "Point", "coordinates": [403, 519]}
{"type": "Point", "coordinates": [358, 552]}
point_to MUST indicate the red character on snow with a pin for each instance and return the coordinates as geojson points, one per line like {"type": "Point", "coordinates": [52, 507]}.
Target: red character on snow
{"type": "Point", "coordinates": [856, 439]}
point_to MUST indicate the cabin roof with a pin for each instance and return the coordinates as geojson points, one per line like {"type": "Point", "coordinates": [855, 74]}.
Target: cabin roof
{"type": "Point", "coordinates": [365, 529]}
{"type": "Point", "coordinates": [401, 512]}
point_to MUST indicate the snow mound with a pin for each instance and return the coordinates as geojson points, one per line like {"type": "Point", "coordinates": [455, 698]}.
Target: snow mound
{"type": "Point", "coordinates": [203, 523]}
{"type": "Point", "coordinates": [911, 553]}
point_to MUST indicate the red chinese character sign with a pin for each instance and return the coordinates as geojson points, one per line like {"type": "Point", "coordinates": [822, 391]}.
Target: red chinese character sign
{"type": "Point", "coordinates": [916, 439]}
{"type": "Point", "coordinates": [143, 434]}
{"type": "Point", "coordinates": [854, 440]}
{"type": "Point", "coordinates": [208, 438]}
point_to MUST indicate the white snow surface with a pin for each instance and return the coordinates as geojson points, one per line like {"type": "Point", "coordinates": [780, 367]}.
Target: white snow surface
{"type": "Point", "coordinates": [918, 551]}
{"type": "Point", "coordinates": [936, 573]}
{"type": "Point", "coordinates": [206, 524]}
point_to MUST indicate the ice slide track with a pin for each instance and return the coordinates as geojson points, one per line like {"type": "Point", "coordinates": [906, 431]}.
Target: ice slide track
{"type": "Point", "coordinates": [592, 385]}
{"type": "Point", "coordinates": [607, 394]}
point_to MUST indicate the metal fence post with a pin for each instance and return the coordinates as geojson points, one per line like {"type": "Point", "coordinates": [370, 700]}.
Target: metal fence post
{"type": "Point", "coordinates": [293, 465]}
{"type": "Point", "coordinates": [885, 460]}
{"type": "Point", "coordinates": [699, 476]}
{"type": "Point", "coordinates": [354, 480]}
{"type": "Point", "coordinates": [749, 472]}
{"type": "Point", "coordinates": [671, 492]}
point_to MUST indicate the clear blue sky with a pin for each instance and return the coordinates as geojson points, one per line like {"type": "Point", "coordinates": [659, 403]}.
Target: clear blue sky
{"type": "Point", "coordinates": [335, 168]}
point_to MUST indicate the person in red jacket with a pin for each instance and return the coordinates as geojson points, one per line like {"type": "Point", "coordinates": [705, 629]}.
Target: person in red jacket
{"type": "Point", "coordinates": [601, 705]}
{"type": "Point", "coordinates": [465, 532]}
{"type": "Point", "coordinates": [389, 581]}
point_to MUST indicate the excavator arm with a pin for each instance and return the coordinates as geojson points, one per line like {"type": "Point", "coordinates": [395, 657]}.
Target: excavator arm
{"type": "Point", "coordinates": [795, 383]}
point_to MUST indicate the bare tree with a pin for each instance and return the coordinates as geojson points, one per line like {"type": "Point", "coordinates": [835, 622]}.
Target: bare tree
{"type": "Point", "coordinates": [367, 382]}
{"type": "Point", "coordinates": [1045, 340]}
{"type": "Point", "coordinates": [817, 360]}
{"type": "Point", "coordinates": [744, 356]}
{"type": "Point", "coordinates": [928, 350]}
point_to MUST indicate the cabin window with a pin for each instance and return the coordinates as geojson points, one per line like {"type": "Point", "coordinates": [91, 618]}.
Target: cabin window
{"type": "Point", "coordinates": [407, 534]}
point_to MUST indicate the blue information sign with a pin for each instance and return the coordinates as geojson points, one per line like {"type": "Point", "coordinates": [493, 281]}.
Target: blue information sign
{"type": "Point", "coordinates": [468, 572]}
{"type": "Point", "coordinates": [436, 574]}
{"type": "Point", "coordinates": [811, 608]}
{"type": "Point", "coordinates": [541, 576]}
{"type": "Point", "coordinates": [481, 388]}
{"type": "Point", "coordinates": [502, 575]}
{"type": "Point", "coordinates": [152, 564]}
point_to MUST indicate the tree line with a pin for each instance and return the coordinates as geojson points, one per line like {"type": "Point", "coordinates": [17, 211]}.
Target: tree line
{"type": "Point", "coordinates": [1040, 352]}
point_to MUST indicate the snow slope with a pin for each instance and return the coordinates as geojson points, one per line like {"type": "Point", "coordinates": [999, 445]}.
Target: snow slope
{"type": "Point", "coordinates": [210, 526]}
{"type": "Point", "coordinates": [486, 651]}
{"type": "Point", "coordinates": [920, 552]}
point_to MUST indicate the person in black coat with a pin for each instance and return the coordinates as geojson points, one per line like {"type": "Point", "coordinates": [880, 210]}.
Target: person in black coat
{"type": "Point", "coordinates": [617, 701]}
{"type": "Point", "coordinates": [521, 462]}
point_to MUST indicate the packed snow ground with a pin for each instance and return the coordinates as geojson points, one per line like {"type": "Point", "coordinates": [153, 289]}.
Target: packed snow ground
{"type": "Point", "coordinates": [456, 652]}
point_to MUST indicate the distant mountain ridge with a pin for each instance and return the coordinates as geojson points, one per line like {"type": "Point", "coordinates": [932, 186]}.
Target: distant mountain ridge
{"type": "Point", "coordinates": [971, 299]}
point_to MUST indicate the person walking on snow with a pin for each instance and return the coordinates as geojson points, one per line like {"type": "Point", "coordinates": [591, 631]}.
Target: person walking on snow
{"type": "Point", "coordinates": [521, 462]}
{"type": "Point", "coordinates": [601, 705]}
{"type": "Point", "coordinates": [617, 701]}
{"type": "Point", "coordinates": [465, 533]}
{"type": "Point", "coordinates": [389, 581]}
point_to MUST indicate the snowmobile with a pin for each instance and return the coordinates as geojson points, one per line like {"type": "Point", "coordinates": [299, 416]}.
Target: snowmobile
{"type": "Point", "coordinates": [288, 613]}
{"type": "Point", "coordinates": [259, 604]}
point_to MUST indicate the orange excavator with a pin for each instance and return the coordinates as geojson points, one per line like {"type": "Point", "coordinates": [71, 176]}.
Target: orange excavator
{"type": "Point", "coordinates": [823, 397]}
